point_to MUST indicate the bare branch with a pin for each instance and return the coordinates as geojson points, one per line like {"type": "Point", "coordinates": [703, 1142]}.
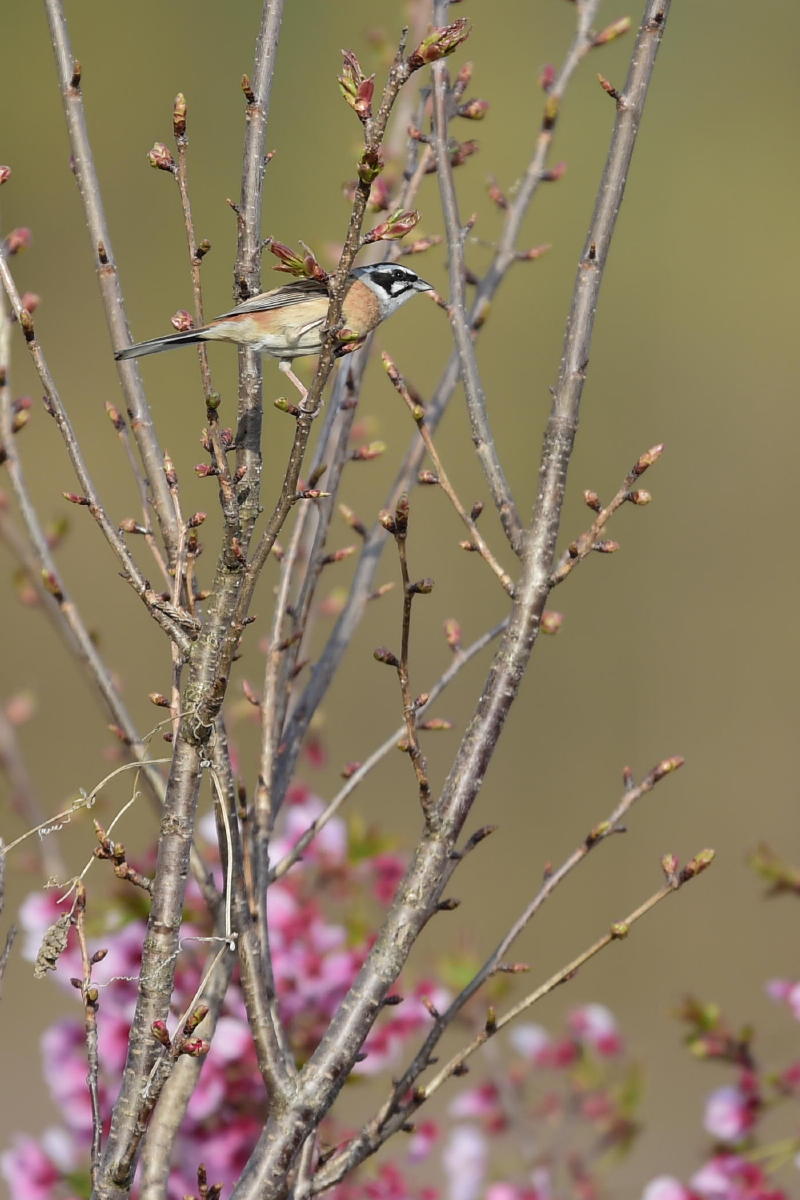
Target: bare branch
{"type": "Point", "coordinates": [618, 931]}
{"type": "Point", "coordinates": [107, 274]}
{"type": "Point", "coordinates": [398, 1106]}
{"type": "Point", "coordinates": [247, 271]}
{"type": "Point", "coordinates": [482, 439]}
{"type": "Point", "coordinates": [588, 541]}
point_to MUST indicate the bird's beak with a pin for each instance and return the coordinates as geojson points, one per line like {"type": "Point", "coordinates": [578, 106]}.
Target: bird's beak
{"type": "Point", "coordinates": [422, 286]}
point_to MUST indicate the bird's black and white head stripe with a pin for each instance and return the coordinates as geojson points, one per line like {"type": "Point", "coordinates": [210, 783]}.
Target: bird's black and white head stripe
{"type": "Point", "coordinates": [391, 283]}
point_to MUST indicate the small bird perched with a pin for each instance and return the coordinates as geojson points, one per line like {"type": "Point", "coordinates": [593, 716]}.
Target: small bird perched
{"type": "Point", "coordinates": [287, 322]}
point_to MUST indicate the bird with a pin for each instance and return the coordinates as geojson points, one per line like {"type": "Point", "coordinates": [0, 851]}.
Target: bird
{"type": "Point", "coordinates": [287, 322]}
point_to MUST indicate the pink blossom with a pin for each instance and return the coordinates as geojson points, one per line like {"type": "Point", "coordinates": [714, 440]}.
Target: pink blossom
{"type": "Point", "coordinates": [464, 1162]}
{"type": "Point", "coordinates": [422, 1141]}
{"type": "Point", "coordinates": [64, 1066]}
{"type": "Point", "coordinates": [502, 1191]}
{"type": "Point", "coordinates": [207, 1099]}
{"type": "Point", "coordinates": [784, 991]}
{"type": "Point", "coordinates": [730, 1113]}
{"type": "Point", "coordinates": [665, 1187]}
{"type": "Point", "coordinates": [595, 1025]}
{"type": "Point", "coordinates": [29, 1172]}
{"type": "Point", "coordinates": [531, 1041]}
{"type": "Point", "coordinates": [542, 1180]}
{"type": "Point", "coordinates": [731, 1177]}
{"type": "Point", "coordinates": [793, 1000]}
{"type": "Point", "coordinates": [778, 989]}
{"type": "Point", "coordinates": [330, 843]}
{"type": "Point", "coordinates": [232, 1041]}
{"type": "Point", "coordinates": [479, 1101]}
{"type": "Point", "coordinates": [560, 1054]}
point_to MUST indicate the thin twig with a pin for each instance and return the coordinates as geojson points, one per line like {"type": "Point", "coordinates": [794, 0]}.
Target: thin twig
{"type": "Point", "coordinates": [389, 744]}
{"type": "Point", "coordinates": [179, 123]}
{"type": "Point", "coordinates": [159, 1144]}
{"type": "Point", "coordinates": [374, 130]}
{"type": "Point", "coordinates": [227, 496]}
{"type": "Point", "coordinates": [91, 1001]}
{"type": "Point", "coordinates": [405, 1104]}
{"type": "Point", "coordinates": [588, 541]}
{"type": "Point", "coordinates": [344, 1163]}
{"type": "Point", "coordinates": [273, 1050]}
{"type": "Point", "coordinates": [618, 931]}
{"type": "Point", "coordinates": [383, 1125]}
{"type": "Point", "coordinates": [484, 443]}
{"type": "Point", "coordinates": [247, 269]}
{"type": "Point", "coordinates": [418, 413]}
{"type": "Point", "coordinates": [398, 526]}
{"type": "Point", "coordinates": [69, 77]}
{"type": "Point", "coordinates": [332, 454]}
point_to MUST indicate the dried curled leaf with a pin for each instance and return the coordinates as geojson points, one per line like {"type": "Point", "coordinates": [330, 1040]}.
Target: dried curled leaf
{"type": "Point", "coordinates": [54, 943]}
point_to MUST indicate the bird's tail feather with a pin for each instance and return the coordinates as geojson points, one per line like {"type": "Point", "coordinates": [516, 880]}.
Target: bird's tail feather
{"type": "Point", "coordinates": [155, 345]}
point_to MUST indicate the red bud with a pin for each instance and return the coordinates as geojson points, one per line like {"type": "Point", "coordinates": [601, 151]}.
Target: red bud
{"type": "Point", "coordinates": [397, 225]}
{"type": "Point", "coordinates": [547, 77]}
{"type": "Point", "coordinates": [439, 43]}
{"type": "Point", "coordinates": [160, 158]}
{"type": "Point", "coordinates": [611, 32]}
{"type": "Point", "coordinates": [182, 320]}
{"type": "Point", "coordinates": [18, 239]}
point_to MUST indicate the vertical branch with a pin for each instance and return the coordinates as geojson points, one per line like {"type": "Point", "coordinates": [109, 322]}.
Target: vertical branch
{"type": "Point", "coordinates": [273, 1051]}
{"type": "Point", "coordinates": [462, 331]}
{"type": "Point", "coordinates": [196, 253]}
{"type": "Point", "coordinates": [69, 76]}
{"type": "Point", "coordinates": [536, 581]}
{"type": "Point", "coordinates": [204, 690]}
{"type": "Point", "coordinates": [247, 271]}
{"type": "Point", "coordinates": [144, 1071]}
{"type": "Point", "coordinates": [91, 999]}
{"type": "Point", "coordinates": [368, 167]}
{"type": "Point", "coordinates": [397, 525]}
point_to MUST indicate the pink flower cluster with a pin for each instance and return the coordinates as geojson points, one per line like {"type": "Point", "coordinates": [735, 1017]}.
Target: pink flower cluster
{"type": "Point", "coordinates": [723, 1177]}
{"type": "Point", "coordinates": [535, 1124]}
{"type": "Point", "coordinates": [733, 1111]}
{"type": "Point", "coordinates": [315, 960]}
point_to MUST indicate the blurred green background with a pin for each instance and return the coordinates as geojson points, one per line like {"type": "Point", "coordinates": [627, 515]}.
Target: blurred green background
{"type": "Point", "coordinates": [684, 642]}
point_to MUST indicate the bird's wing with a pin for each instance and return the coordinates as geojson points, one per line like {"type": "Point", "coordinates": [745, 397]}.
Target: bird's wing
{"type": "Point", "coordinates": [280, 297]}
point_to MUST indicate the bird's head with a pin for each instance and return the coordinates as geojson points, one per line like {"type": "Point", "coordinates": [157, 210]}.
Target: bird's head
{"type": "Point", "coordinates": [392, 283]}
